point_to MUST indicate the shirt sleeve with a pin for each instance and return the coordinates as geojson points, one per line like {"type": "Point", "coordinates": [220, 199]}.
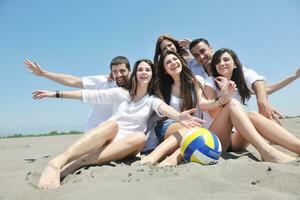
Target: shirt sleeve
{"type": "Point", "coordinates": [156, 102]}
{"type": "Point", "coordinates": [251, 77]}
{"type": "Point", "coordinates": [100, 96]}
{"type": "Point", "coordinates": [94, 82]}
{"type": "Point", "coordinates": [210, 83]}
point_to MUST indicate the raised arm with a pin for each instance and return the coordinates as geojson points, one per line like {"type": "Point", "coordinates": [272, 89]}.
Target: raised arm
{"type": "Point", "coordinates": [209, 101]}
{"type": "Point", "coordinates": [40, 94]}
{"type": "Point", "coordinates": [64, 79]}
{"type": "Point", "coordinates": [185, 42]}
{"type": "Point", "coordinates": [277, 86]}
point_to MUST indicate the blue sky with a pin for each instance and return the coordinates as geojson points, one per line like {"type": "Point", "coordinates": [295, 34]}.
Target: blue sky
{"type": "Point", "coordinates": [81, 38]}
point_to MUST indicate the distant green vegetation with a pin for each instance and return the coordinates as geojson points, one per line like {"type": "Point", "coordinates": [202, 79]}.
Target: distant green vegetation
{"type": "Point", "coordinates": [52, 133]}
{"type": "Point", "coordinates": [292, 116]}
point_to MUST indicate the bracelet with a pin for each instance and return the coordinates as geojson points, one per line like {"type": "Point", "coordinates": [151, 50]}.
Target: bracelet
{"type": "Point", "coordinates": [61, 94]}
{"type": "Point", "coordinates": [57, 94]}
{"type": "Point", "coordinates": [220, 104]}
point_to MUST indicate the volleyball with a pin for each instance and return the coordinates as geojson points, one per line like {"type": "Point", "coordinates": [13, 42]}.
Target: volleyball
{"type": "Point", "coordinates": [201, 146]}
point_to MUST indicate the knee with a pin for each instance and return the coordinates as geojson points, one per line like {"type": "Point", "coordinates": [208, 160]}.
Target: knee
{"type": "Point", "coordinates": [233, 104]}
{"type": "Point", "coordinates": [114, 126]}
{"type": "Point", "coordinates": [252, 115]}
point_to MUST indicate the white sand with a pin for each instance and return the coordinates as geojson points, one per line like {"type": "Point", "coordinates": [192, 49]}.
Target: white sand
{"type": "Point", "coordinates": [238, 176]}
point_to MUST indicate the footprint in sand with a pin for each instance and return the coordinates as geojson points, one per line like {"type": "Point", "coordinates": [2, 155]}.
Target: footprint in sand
{"type": "Point", "coordinates": [30, 160]}
{"type": "Point", "coordinates": [33, 178]}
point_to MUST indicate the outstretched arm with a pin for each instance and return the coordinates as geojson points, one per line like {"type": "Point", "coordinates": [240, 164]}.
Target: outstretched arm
{"type": "Point", "coordinates": [64, 79]}
{"type": "Point", "coordinates": [40, 94]}
{"type": "Point", "coordinates": [185, 117]}
{"type": "Point", "coordinates": [277, 86]}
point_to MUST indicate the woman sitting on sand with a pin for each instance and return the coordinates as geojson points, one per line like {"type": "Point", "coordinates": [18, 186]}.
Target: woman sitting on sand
{"type": "Point", "coordinates": [123, 134]}
{"type": "Point", "coordinates": [225, 63]}
{"type": "Point", "coordinates": [230, 114]}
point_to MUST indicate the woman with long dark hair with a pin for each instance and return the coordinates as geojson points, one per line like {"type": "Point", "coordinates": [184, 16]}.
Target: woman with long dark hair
{"type": "Point", "coordinates": [178, 87]}
{"type": "Point", "coordinates": [225, 63]}
{"type": "Point", "coordinates": [123, 134]}
{"type": "Point", "coordinates": [174, 79]}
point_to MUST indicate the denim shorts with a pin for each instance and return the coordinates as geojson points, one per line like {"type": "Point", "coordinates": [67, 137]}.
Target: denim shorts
{"type": "Point", "coordinates": [161, 128]}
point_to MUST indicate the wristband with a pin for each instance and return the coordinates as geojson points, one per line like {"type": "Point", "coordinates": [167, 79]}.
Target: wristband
{"type": "Point", "coordinates": [57, 94]}
{"type": "Point", "coordinates": [218, 101]}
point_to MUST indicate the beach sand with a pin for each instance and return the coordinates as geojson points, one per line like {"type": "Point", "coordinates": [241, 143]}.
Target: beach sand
{"type": "Point", "coordinates": [236, 176]}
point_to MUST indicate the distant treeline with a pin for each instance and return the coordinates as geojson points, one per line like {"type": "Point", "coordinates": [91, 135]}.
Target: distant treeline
{"type": "Point", "coordinates": [52, 133]}
{"type": "Point", "coordinates": [292, 116]}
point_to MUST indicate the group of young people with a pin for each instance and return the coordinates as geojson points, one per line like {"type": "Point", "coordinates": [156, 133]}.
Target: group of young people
{"type": "Point", "coordinates": [187, 85]}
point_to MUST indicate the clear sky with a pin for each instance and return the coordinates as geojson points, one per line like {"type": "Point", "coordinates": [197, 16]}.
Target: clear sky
{"type": "Point", "coordinates": [81, 38]}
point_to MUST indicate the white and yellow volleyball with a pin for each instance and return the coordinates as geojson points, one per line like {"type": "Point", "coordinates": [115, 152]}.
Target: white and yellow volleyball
{"type": "Point", "coordinates": [201, 146]}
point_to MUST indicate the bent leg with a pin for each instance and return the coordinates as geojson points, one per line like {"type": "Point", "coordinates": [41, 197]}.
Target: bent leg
{"type": "Point", "coordinates": [89, 142]}
{"type": "Point", "coordinates": [168, 146]}
{"type": "Point", "coordinates": [128, 146]}
{"type": "Point", "coordinates": [238, 143]}
{"type": "Point", "coordinates": [238, 118]}
{"type": "Point", "coordinates": [275, 133]}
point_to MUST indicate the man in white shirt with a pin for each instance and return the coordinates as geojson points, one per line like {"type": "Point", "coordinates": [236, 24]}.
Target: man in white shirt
{"type": "Point", "coordinates": [203, 52]}
{"type": "Point", "coordinates": [120, 70]}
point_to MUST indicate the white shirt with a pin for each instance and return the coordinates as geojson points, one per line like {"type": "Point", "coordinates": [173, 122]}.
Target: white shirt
{"type": "Point", "coordinates": [175, 102]}
{"type": "Point", "coordinates": [131, 116]}
{"type": "Point", "coordinates": [250, 77]}
{"type": "Point", "coordinates": [102, 111]}
{"type": "Point", "coordinates": [196, 68]}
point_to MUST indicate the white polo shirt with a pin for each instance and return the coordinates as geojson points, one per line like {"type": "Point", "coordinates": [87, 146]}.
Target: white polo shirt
{"type": "Point", "coordinates": [102, 111]}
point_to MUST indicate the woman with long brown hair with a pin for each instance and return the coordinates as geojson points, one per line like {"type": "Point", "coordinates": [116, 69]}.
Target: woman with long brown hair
{"type": "Point", "coordinates": [123, 134]}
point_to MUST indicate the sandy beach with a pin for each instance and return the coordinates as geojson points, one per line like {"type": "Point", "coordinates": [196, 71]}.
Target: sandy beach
{"type": "Point", "coordinates": [236, 176]}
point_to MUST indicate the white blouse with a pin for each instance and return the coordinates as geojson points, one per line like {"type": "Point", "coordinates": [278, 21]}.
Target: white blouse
{"type": "Point", "coordinates": [131, 116]}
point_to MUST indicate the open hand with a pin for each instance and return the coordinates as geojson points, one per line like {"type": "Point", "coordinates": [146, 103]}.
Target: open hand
{"type": "Point", "coordinates": [40, 94]}
{"type": "Point", "coordinates": [189, 121]}
{"type": "Point", "coordinates": [184, 43]}
{"type": "Point", "coordinates": [265, 108]}
{"type": "Point", "coordinates": [34, 67]}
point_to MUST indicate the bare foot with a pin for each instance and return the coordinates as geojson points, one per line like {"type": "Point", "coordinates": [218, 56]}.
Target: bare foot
{"type": "Point", "coordinates": [147, 159]}
{"type": "Point", "coordinates": [77, 164]}
{"type": "Point", "coordinates": [168, 161]}
{"type": "Point", "coordinates": [50, 177]}
{"type": "Point", "coordinates": [277, 156]}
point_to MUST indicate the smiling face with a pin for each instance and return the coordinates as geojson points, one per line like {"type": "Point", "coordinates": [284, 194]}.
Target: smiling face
{"type": "Point", "coordinates": [172, 65]}
{"type": "Point", "coordinates": [120, 74]}
{"type": "Point", "coordinates": [225, 66]}
{"type": "Point", "coordinates": [144, 73]}
{"type": "Point", "coordinates": [202, 53]}
{"type": "Point", "coordinates": [167, 45]}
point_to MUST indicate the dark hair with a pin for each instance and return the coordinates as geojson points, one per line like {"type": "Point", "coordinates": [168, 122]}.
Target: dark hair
{"type": "Point", "coordinates": [197, 41]}
{"type": "Point", "coordinates": [183, 52]}
{"type": "Point", "coordinates": [131, 85]}
{"type": "Point", "coordinates": [237, 74]}
{"type": "Point", "coordinates": [188, 86]}
{"type": "Point", "coordinates": [120, 60]}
